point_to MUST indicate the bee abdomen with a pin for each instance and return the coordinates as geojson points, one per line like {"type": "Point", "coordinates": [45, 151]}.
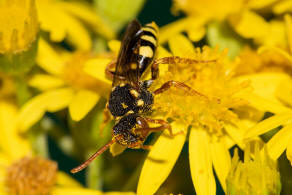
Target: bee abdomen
{"type": "Point", "coordinates": [147, 46]}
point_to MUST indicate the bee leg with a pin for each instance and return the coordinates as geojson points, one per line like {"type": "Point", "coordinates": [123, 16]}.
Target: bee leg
{"type": "Point", "coordinates": [106, 116]}
{"type": "Point", "coordinates": [179, 85]}
{"type": "Point", "coordinates": [108, 70]}
{"type": "Point", "coordinates": [163, 125]}
{"type": "Point", "coordinates": [173, 60]}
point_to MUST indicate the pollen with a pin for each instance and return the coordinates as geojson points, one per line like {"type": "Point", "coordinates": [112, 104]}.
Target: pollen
{"type": "Point", "coordinates": [134, 93]}
{"type": "Point", "coordinates": [140, 102]}
{"type": "Point", "coordinates": [124, 105]}
{"type": "Point", "coordinates": [215, 80]}
{"type": "Point", "coordinates": [19, 25]}
{"type": "Point", "coordinates": [31, 176]}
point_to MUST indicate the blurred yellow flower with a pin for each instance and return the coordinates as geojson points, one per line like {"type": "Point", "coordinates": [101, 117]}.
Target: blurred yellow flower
{"type": "Point", "coordinates": [217, 121]}
{"type": "Point", "coordinates": [68, 20]}
{"type": "Point", "coordinates": [23, 173]}
{"type": "Point", "coordinates": [65, 85]}
{"type": "Point", "coordinates": [241, 15]}
{"type": "Point", "coordinates": [279, 92]}
{"type": "Point", "coordinates": [18, 35]}
{"type": "Point", "coordinates": [257, 174]}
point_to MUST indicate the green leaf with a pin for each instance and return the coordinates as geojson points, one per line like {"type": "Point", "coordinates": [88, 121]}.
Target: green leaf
{"type": "Point", "coordinates": [117, 13]}
{"type": "Point", "coordinates": [220, 34]}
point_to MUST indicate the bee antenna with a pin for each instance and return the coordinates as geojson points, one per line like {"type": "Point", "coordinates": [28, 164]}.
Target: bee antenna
{"type": "Point", "coordinates": [96, 154]}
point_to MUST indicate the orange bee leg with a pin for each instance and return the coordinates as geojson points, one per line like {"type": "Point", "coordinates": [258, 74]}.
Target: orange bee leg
{"type": "Point", "coordinates": [179, 85]}
{"type": "Point", "coordinates": [174, 60]}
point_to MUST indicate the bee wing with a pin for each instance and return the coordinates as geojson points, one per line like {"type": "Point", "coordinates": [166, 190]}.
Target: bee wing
{"type": "Point", "coordinates": [125, 70]}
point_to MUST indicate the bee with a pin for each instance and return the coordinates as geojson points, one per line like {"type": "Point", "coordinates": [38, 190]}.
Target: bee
{"type": "Point", "coordinates": [130, 100]}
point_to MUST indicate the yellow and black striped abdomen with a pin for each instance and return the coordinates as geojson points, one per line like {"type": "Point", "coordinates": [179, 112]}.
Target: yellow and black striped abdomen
{"type": "Point", "coordinates": [147, 46]}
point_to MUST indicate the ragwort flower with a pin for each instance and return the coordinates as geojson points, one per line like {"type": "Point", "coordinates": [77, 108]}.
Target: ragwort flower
{"type": "Point", "coordinates": [67, 20]}
{"type": "Point", "coordinates": [65, 85]}
{"type": "Point", "coordinates": [218, 119]}
{"type": "Point", "coordinates": [276, 87]}
{"type": "Point", "coordinates": [21, 172]}
{"type": "Point", "coordinates": [242, 16]}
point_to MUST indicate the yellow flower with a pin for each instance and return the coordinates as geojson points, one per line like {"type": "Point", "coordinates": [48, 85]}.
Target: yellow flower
{"type": "Point", "coordinates": [65, 85]}
{"type": "Point", "coordinates": [18, 35]}
{"type": "Point", "coordinates": [284, 52]}
{"type": "Point", "coordinates": [23, 173]}
{"type": "Point", "coordinates": [66, 20]}
{"type": "Point", "coordinates": [257, 174]}
{"type": "Point", "coordinates": [240, 15]}
{"type": "Point", "coordinates": [218, 119]}
{"type": "Point", "coordinates": [280, 92]}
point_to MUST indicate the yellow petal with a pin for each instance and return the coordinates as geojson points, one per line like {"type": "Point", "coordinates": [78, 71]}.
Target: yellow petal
{"type": "Point", "coordinates": [96, 68]}
{"type": "Point", "coordinates": [201, 163]}
{"type": "Point", "coordinates": [221, 160]}
{"type": "Point", "coordinates": [284, 92]}
{"type": "Point", "coordinates": [57, 99]}
{"type": "Point", "coordinates": [279, 142]}
{"type": "Point", "coordinates": [44, 82]}
{"type": "Point", "coordinates": [265, 84]}
{"type": "Point", "coordinates": [77, 34]}
{"type": "Point", "coordinates": [276, 35]}
{"type": "Point", "coordinates": [268, 124]}
{"type": "Point", "coordinates": [65, 180]}
{"type": "Point", "coordinates": [288, 21]}
{"type": "Point", "coordinates": [237, 130]}
{"type": "Point", "coordinates": [10, 140]}
{"type": "Point", "coordinates": [282, 52]}
{"type": "Point", "coordinates": [257, 4]}
{"type": "Point", "coordinates": [249, 24]}
{"type": "Point", "coordinates": [34, 109]}
{"type": "Point", "coordinates": [172, 29]}
{"type": "Point", "coordinates": [5, 161]}
{"type": "Point", "coordinates": [190, 24]}
{"type": "Point", "coordinates": [3, 189]}
{"type": "Point", "coordinates": [114, 46]}
{"type": "Point", "coordinates": [48, 59]}
{"type": "Point", "coordinates": [88, 15]}
{"type": "Point", "coordinates": [62, 25]}
{"type": "Point", "coordinates": [160, 161]}
{"type": "Point", "coordinates": [234, 133]}
{"type": "Point", "coordinates": [181, 46]}
{"type": "Point", "coordinates": [289, 151]}
{"type": "Point", "coordinates": [82, 103]}
{"type": "Point", "coordinates": [283, 6]}
{"type": "Point", "coordinates": [58, 190]}
{"type": "Point", "coordinates": [196, 33]}
{"type": "Point", "coordinates": [161, 53]}
{"type": "Point", "coordinates": [261, 103]}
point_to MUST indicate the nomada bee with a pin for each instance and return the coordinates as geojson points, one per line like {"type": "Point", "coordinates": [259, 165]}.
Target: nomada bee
{"type": "Point", "coordinates": [130, 100]}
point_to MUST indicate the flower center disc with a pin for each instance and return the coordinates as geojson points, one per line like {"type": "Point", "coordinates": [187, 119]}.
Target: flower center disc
{"type": "Point", "coordinates": [31, 176]}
